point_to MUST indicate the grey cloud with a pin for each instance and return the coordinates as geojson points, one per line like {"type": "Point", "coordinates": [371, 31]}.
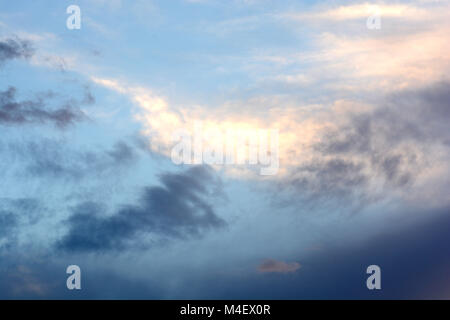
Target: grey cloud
{"type": "Point", "coordinates": [395, 168]}
{"type": "Point", "coordinates": [122, 152]}
{"type": "Point", "coordinates": [15, 48]}
{"type": "Point", "coordinates": [88, 96]}
{"type": "Point", "coordinates": [177, 209]}
{"type": "Point", "coordinates": [355, 137]}
{"type": "Point", "coordinates": [54, 159]}
{"type": "Point", "coordinates": [8, 221]}
{"type": "Point", "coordinates": [372, 132]}
{"type": "Point", "coordinates": [325, 179]}
{"type": "Point", "coordinates": [15, 214]}
{"type": "Point", "coordinates": [387, 141]}
{"type": "Point", "coordinates": [432, 102]}
{"type": "Point", "coordinates": [419, 116]}
{"type": "Point", "coordinates": [13, 112]}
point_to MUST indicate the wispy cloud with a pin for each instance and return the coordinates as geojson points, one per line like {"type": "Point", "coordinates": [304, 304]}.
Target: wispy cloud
{"type": "Point", "coordinates": [15, 48]}
{"type": "Point", "coordinates": [274, 266]}
{"type": "Point", "coordinates": [363, 10]}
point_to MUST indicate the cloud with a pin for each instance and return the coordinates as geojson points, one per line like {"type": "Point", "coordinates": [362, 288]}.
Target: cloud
{"type": "Point", "coordinates": [88, 97]}
{"type": "Point", "coordinates": [16, 214]}
{"type": "Point", "coordinates": [44, 276]}
{"type": "Point", "coordinates": [54, 159]}
{"type": "Point", "coordinates": [418, 115]}
{"type": "Point", "coordinates": [161, 120]}
{"type": "Point", "coordinates": [336, 178]}
{"type": "Point", "coordinates": [15, 49]}
{"type": "Point", "coordinates": [380, 152]}
{"type": "Point", "coordinates": [413, 257]}
{"type": "Point", "coordinates": [26, 282]}
{"type": "Point", "coordinates": [8, 221]}
{"type": "Point", "coordinates": [177, 209]}
{"type": "Point", "coordinates": [274, 266]}
{"type": "Point", "coordinates": [352, 149]}
{"type": "Point", "coordinates": [394, 61]}
{"type": "Point", "coordinates": [390, 142]}
{"type": "Point", "coordinates": [364, 10]}
{"type": "Point", "coordinates": [122, 153]}
{"type": "Point", "coordinates": [13, 112]}
{"type": "Point", "coordinates": [343, 55]}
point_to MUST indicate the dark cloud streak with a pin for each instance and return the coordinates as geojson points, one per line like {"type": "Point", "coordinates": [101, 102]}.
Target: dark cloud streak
{"type": "Point", "coordinates": [177, 209]}
{"type": "Point", "coordinates": [13, 112]}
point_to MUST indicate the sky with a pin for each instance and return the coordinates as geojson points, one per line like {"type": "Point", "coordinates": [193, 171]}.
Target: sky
{"type": "Point", "coordinates": [90, 117]}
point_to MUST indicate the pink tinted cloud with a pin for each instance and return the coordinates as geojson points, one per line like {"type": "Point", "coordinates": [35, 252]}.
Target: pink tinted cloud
{"type": "Point", "coordinates": [271, 265]}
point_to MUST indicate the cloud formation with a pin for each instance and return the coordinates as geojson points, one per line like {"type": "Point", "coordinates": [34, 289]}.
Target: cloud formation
{"type": "Point", "coordinates": [362, 115]}
{"type": "Point", "coordinates": [51, 159]}
{"type": "Point", "coordinates": [274, 266]}
{"type": "Point", "coordinates": [15, 49]}
{"type": "Point", "coordinates": [13, 112]}
{"type": "Point", "coordinates": [16, 214]}
{"type": "Point", "coordinates": [365, 152]}
{"type": "Point", "coordinates": [177, 209]}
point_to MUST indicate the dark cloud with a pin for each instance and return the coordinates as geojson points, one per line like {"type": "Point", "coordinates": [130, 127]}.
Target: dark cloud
{"type": "Point", "coordinates": [88, 96]}
{"type": "Point", "coordinates": [53, 159]}
{"type": "Point", "coordinates": [122, 153]}
{"type": "Point", "coordinates": [355, 137]}
{"type": "Point", "coordinates": [397, 169]}
{"type": "Point", "coordinates": [13, 112]}
{"type": "Point", "coordinates": [375, 139]}
{"type": "Point", "coordinates": [432, 103]}
{"type": "Point", "coordinates": [14, 49]}
{"type": "Point", "coordinates": [323, 180]}
{"type": "Point", "coordinates": [417, 116]}
{"type": "Point", "coordinates": [414, 260]}
{"type": "Point", "coordinates": [38, 110]}
{"type": "Point", "coordinates": [178, 208]}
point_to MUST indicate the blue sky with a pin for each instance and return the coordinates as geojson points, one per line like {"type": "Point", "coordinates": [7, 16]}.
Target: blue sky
{"type": "Point", "coordinates": [87, 118]}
